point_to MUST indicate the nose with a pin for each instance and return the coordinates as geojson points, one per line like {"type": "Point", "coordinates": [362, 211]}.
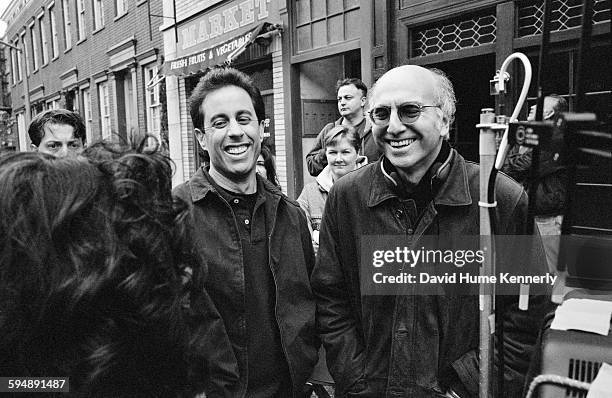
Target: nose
{"type": "Point", "coordinates": [234, 128]}
{"type": "Point", "coordinates": [62, 152]}
{"type": "Point", "coordinates": [395, 124]}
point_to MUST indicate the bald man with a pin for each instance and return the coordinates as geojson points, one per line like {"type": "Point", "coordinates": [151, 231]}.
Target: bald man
{"type": "Point", "coordinates": [410, 345]}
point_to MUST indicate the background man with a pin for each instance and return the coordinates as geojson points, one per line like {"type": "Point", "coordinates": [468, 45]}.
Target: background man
{"type": "Point", "coordinates": [254, 239]}
{"type": "Point", "coordinates": [551, 183]}
{"type": "Point", "coordinates": [58, 132]}
{"type": "Point", "coordinates": [409, 345]}
{"type": "Point", "coordinates": [351, 102]}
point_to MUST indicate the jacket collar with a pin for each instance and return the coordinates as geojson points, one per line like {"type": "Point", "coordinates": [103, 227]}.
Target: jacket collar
{"type": "Point", "coordinates": [363, 128]}
{"type": "Point", "coordinates": [200, 185]}
{"type": "Point", "coordinates": [325, 180]}
{"type": "Point", "coordinates": [452, 189]}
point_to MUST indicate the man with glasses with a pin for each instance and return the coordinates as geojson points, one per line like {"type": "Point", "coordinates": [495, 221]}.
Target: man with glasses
{"type": "Point", "coordinates": [254, 239]}
{"type": "Point", "coordinates": [410, 345]}
{"type": "Point", "coordinates": [352, 94]}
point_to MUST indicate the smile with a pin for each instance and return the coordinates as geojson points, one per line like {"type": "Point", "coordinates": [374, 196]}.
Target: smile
{"type": "Point", "coordinates": [402, 143]}
{"type": "Point", "coordinates": [237, 149]}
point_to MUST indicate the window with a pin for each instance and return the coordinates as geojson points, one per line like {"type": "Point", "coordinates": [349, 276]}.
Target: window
{"type": "Point", "coordinates": [13, 66]}
{"type": "Point", "coordinates": [54, 40]}
{"type": "Point", "coordinates": [120, 7]}
{"type": "Point", "coordinates": [80, 7]}
{"type": "Point", "coordinates": [152, 102]}
{"type": "Point", "coordinates": [104, 109]}
{"type": "Point", "coordinates": [34, 42]}
{"type": "Point", "coordinates": [42, 29]}
{"type": "Point", "coordinates": [53, 104]}
{"type": "Point", "coordinates": [87, 112]}
{"type": "Point", "coordinates": [98, 10]}
{"type": "Point", "coordinates": [22, 54]}
{"type": "Point", "coordinates": [67, 33]}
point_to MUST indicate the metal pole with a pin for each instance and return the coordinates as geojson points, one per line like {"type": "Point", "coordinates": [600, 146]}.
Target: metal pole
{"type": "Point", "coordinates": [487, 151]}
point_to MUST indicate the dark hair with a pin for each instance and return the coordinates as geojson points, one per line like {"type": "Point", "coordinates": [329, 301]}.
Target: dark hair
{"type": "Point", "coordinates": [93, 257]}
{"type": "Point", "coordinates": [268, 158]}
{"type": "Point", "coordinates": [36, 130]}
{"type": "Point", "coordinates": [355, 82]}
{"type": "Point", "coordinates": [217, 78]}
{"type": "Point", "coordinates": [336, 133]}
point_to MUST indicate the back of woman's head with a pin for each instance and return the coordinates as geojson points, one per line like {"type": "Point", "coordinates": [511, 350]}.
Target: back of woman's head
{"type": "Point", "coordinates": [92, 253]}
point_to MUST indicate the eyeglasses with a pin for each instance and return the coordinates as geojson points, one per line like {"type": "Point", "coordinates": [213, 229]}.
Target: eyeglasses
{"type": "Point", "coordinates": [408, 113]}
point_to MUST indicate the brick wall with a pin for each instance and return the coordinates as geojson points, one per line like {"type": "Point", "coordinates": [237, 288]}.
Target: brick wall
{"type": "Point", "coordinates": [89, 56]}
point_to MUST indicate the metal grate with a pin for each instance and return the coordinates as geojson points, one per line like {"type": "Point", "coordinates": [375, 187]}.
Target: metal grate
{"type": "Point", "coordinates": [472, 31]}
{"type": "Point", "coordinates": [582, 371]}
{"type": "Point", "coordinates": [565, 14]}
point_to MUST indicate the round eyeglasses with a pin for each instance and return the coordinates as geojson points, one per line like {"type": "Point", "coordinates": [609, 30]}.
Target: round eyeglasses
{"type": "Point", "coordinates": [407, 113]}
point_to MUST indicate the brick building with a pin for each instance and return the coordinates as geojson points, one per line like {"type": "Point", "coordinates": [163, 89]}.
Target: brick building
{"type": "Point", "coordinates": [95, 57]}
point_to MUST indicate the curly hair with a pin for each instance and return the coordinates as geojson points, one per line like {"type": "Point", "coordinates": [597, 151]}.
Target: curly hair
{"type": "Point", "coordinates": [94, 259]}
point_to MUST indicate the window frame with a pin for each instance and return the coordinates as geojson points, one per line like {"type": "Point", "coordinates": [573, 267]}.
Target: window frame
{"type": "Point", "coordinates": [54, 33]}
{"type": "Point", "coordinates": [152, 100]}
{"type": "Point", "coordinates": [98, 15]}
{"type": "Point", "coordinates": [87, 114]}
{"type": "Point", "coordinates": [33, 47]}
{"type": "Point", "coordinates": [67, 24]}
{"type": "Point", "coordinates": [120, 11]}
{"type": "Point", "coordinates": [42, 33]}
{"type": "Point", "coordinates": [104, 102]}
{"type": "Point", "coordinates": [80, 19]}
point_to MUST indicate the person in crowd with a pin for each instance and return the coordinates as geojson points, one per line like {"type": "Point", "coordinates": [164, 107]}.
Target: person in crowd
{"type": "Point", "coordinates": [412, 345]}
{"type": "Point", "coordinates": [266, 166]}
{"type": "Point", "coordinates": [551, 181]}
{"type": "Point", "coordinates": [58, 132]}
{"type": "Point", "coordinates": [342, 146]}
{"type": "Point", "coordinates": [352, 95]}
{"type": "Point", "coordinates": [255, 240]}
{"type": "Point", "coordinates": [99, 281]}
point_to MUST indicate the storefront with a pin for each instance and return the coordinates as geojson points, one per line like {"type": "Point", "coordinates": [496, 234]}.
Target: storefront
{"type": "Point", "coordinates": [247, 35]}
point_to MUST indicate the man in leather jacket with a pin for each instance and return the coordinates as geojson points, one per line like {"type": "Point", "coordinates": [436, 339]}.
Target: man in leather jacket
{"type": "Point", "coordinates": [412, 345]}
{"type": "Point", "coordinates": [255, 240]}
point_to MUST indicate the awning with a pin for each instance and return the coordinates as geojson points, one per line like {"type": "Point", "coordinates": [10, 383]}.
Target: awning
{"type": "Point", "coordinates": [222, 53]}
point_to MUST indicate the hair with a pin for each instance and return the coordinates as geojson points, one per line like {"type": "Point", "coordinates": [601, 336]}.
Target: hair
{"type": "Point", "coordinates": [355, 82]}
{"type": "Point", "coordinates": [93, 259]}
{"type": "Point", "coordinates": [36, 130]}
{"type": "Point", "coordinates": [268, 158]}
{"type": "Point", "coordinates": [444, 95]}
{"type": "Point", "coordinates": [560, 103]}
{"type": "Point", "coordinates": [336, 133]}
{"type": "Point", "coordinates": [217, 78]}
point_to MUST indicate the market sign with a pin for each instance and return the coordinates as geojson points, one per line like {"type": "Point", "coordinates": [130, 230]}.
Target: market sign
{"type": "Point", "coordinates": [222, 53]}
{"type": "Point", "coordinates": [230, 19]}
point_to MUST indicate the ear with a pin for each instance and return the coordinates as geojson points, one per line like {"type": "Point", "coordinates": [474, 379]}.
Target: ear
{"type": "Point", "coordinates": [444, 128]}
{"type": "Point", "coordinates": [34, 147]}
{"type": "Point", "coordinates": [364, 100]}
{"type": "Point", "coordinates": [201, 137]}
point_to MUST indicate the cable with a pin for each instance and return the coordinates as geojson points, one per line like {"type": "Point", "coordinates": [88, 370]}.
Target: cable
{"type": "Point", "coordinates": [555, 379]}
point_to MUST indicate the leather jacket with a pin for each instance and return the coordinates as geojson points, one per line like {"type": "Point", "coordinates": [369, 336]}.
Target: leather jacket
{"type": "Point", "coordinates": [432, 341]}
{"type": "Point", "coordinates": [291, 259]}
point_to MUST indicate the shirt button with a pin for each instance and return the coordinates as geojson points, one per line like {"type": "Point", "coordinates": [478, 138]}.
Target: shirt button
{"type": "Point", "coordinates": [236, 201]}
{"type": "Point", "coordinates": [247, 221]}
{"type": "Point", "coordinates": [398, 213]}
{"type": "Point", "coordinates": [410, 231]}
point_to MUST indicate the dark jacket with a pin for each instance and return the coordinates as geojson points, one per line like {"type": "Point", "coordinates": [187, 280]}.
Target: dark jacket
{"type": "Point", "coordinates": [434, 339]}
{"type": "Point", "coordinates": [551, 182]}
{"type": "Point", "coordinates": [316, 159]}
{"type": "Point", "coordinates": [291, 260]}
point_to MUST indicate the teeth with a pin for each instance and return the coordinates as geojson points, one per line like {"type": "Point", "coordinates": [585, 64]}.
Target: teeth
{"type": "Point", "coordinates": [397, 144]}
{"type": "Point", "coordinates": [236, 150]}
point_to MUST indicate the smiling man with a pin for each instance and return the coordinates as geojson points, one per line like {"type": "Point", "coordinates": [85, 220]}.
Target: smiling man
{"type": "Point", "coordinates": [352, 94]}
{"type": "Point", "coordinates": [254, 239]}
{"type": "Point", "coordinates": [58, 132]}
{"type": "Point", "coordinates": [411, 345]}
